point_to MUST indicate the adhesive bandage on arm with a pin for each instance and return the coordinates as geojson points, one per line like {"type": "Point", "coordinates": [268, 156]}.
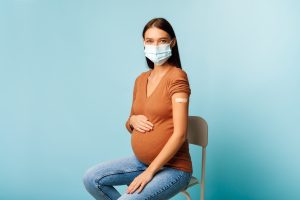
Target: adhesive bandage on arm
{"type": "Point", "coordinates": [181, 100]}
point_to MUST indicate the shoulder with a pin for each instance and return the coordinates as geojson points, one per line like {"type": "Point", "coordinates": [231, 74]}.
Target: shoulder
{"type": "Point", "coordinates": [141, 76]}
{"type": "Point", "coordinates": [178, 82]}
{"type": "Point", "coordinates": [144, 73]}
{"type": "Point", "coordinates": [178, 73]}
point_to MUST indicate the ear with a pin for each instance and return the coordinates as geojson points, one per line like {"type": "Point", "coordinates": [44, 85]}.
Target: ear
{"type": "Point", "coordinates": [173, 43]}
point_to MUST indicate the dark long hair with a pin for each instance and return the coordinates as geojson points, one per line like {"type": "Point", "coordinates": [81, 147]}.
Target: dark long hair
{"type": "Point", "coordinates": [163, 24]}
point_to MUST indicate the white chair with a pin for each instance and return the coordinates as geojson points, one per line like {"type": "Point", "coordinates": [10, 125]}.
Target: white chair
{"type": "Point", "coordinates": [197, 135]}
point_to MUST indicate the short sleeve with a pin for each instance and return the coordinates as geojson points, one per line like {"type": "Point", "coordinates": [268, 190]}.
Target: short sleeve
{"type": "Point", "coordinates": [179, 83]}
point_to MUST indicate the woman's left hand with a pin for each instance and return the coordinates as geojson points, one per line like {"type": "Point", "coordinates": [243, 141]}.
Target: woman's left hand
{"type": "Point", "coordinates": [140, 181]}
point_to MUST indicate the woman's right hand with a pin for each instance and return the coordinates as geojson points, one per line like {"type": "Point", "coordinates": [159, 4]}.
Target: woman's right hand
{"type": "Point", "coordinates": [140, 123]}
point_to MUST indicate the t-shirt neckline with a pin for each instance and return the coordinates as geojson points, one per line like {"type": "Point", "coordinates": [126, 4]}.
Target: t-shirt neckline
{"type": "Point", "coordinates": [158, 85]}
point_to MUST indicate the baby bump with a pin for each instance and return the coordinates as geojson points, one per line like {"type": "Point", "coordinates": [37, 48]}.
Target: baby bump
{"type": "Point", "coordinates": [146, 146]}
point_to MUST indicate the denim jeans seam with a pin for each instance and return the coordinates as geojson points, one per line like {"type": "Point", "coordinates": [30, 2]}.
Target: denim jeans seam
{"type": "Point", "coordinates": [98, 179]}
{"type": "Point", "coordinates": [166, 187]}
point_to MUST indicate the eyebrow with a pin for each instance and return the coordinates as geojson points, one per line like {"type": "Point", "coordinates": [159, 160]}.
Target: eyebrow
{"type": "Point", "coordinates": [158, 38]}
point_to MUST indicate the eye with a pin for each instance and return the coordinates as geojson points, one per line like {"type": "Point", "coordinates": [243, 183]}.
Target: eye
{"type": "Point", "coordinates": [148, 42]}
{"type": "Point", "coordinates": [163, 41]}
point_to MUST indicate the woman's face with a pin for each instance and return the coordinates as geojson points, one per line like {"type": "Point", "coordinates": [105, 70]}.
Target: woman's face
{"type": "Point", "coordinates": [156, 36]}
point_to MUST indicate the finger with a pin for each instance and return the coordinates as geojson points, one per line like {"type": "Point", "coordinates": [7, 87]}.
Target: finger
{"type": "Point", "coordinates": [132, 184]}
{"type": "Point", "coordinates": [148, 122]}
{"type": "Point", "coordinates": [143, 118]}
{"type": "Point", "coordinates": [141, 123]}
{"type": "Point", "coordinates": [143, 131]}
{"type": "Point", "coordinates": [145, 126]}
{"type": "Point", "coordinates": [141, 187]}
{"type": "Point", "coordinates": [140, 130]}
{"type": "Point", "coordinates": [128, 188]}
{"type": "Point", "coordinates": [133, 188]}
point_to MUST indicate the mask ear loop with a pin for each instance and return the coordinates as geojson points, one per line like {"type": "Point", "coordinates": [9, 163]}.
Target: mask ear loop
{"type": "Point", "coordinates": [171, 42]}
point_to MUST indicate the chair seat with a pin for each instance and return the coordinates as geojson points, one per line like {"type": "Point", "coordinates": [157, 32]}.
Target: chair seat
{"type": "Point", "coordinates": [192, 182]}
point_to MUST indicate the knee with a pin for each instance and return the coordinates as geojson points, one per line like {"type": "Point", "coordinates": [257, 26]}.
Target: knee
{"type": "Point", "coordinates": [93, 177]}
{"type": "Point", "coordinates": [88, 179]}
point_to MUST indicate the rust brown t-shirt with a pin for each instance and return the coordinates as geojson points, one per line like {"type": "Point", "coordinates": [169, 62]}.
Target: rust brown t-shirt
{"type": "Point", "coordinates": [158, 109]}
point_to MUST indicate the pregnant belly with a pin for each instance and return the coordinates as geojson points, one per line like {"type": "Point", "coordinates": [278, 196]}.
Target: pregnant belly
{"type": "Point", "coordinates": [146, 146]}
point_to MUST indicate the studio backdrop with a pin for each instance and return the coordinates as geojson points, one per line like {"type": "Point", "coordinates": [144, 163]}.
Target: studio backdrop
{"type": "Point", "coordinates": [67, 70]}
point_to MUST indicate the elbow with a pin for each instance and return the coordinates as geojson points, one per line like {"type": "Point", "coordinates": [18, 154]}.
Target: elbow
{"type": "Point", "coordinates": [180, 137]}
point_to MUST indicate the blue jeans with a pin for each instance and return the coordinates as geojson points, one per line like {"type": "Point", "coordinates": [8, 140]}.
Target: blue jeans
{"type": "Point", "coordinates": [100, 179]}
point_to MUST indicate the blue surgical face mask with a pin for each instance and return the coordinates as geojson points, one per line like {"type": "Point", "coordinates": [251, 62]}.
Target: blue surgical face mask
{"type": "Point", "coordinates": [158, 54]}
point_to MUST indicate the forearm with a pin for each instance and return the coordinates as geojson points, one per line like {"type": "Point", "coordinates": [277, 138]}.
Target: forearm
{"type": "Point", "coordinates": [169, 150]}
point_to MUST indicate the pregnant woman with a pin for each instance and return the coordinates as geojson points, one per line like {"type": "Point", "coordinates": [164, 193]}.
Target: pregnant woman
{"type": "Point", "coordinates": [161, 165]}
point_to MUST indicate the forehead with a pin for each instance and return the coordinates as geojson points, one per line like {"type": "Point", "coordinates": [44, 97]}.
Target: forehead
{"type": "Point", "coordinates": [156, 33]}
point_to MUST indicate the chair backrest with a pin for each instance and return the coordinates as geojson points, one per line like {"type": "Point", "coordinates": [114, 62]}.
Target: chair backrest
{"type": "Point", "coordinates": [197, 131]}
{"type": "Point", "coordinates": [198, 135]}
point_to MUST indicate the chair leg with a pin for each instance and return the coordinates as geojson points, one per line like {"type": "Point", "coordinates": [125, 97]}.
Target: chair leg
{"type": "Point", "coordinates": [186, 194]}
{"type": "Point", "coordinates": [203, 173]}
{"type": "Point", "coordinates": [202, 192]}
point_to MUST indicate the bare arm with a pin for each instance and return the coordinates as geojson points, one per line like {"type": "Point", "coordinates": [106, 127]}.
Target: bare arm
{"type": "Point", "coordinates": [180, 120]}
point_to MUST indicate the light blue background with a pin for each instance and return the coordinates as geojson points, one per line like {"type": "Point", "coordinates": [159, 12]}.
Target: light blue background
{"type": "Point", "coordinates": [67, 70]}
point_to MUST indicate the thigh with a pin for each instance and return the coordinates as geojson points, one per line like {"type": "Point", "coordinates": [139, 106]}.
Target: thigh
{"type": "Point", "coordinates": [119, 171]}
{"type": "Point", "coordinates": [165, 184]}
